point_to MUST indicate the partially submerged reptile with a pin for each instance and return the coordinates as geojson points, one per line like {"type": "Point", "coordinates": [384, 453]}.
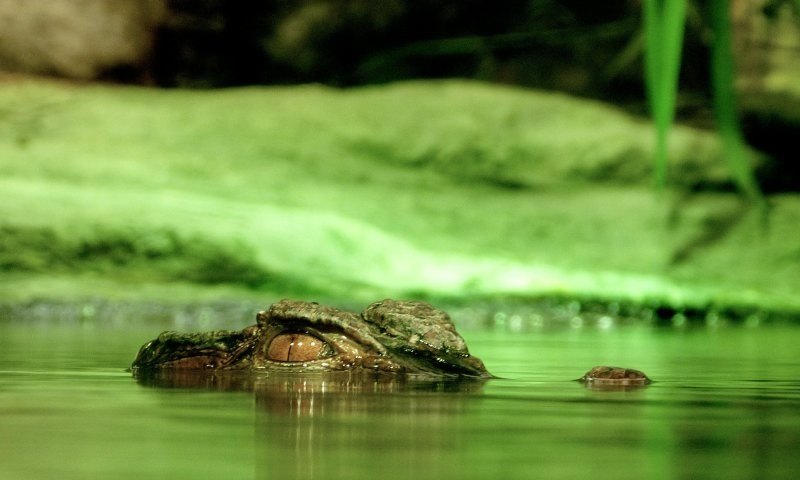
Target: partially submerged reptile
{"type": "Point", "coordinates": [295, 336]}
{"type": "Point", "coordinates": [604, 376]}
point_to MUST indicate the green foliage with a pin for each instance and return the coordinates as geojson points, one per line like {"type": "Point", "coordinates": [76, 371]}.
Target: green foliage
{"type": "Point", "coordinates": [664, 22]}
{"type": "Point", "coordinates": [722, 76]}
{"type": "Point", "coordinates": [664, 26]}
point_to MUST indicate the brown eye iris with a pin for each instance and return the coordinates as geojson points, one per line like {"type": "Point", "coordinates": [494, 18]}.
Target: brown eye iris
{"type": "Point", "coordinates": [295, 347]}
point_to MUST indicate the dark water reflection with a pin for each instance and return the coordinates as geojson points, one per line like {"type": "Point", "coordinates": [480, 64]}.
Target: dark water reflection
{"type": "Point", "coordinates": [725, 403]}
{"type": "Point", "coordinates": [346, 425]}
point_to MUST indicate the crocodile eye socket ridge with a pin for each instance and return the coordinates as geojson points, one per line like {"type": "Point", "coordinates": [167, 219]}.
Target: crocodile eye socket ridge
{"type": "Point", "coordinates": [296, 347]}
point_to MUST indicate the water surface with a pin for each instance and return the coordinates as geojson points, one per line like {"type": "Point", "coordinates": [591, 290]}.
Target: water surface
{"type": "Point", "coordinates": [725, 404]}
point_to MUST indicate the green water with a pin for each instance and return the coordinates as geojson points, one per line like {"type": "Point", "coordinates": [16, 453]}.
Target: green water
{"type": "Point", "coordinates": [725, 404]}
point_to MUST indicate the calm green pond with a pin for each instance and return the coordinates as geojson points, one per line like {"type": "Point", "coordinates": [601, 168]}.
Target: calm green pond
{"type": "Point", "coordinates": [725, 404]}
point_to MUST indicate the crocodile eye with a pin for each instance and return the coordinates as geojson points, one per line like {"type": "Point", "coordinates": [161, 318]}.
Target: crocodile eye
{"type": "Point", "coordinates": [296, 347]}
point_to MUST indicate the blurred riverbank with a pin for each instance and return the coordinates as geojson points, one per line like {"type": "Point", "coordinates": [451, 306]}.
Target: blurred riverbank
{"type": "Point", "coordinates": [447, 189]}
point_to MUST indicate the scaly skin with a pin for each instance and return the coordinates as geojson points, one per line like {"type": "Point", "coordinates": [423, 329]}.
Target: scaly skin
{"type": "Point", "coordinates": [604, 376]}
{"type": "Point", "coordinates": [294, 336]}
{"type": "Point", "coordinates": [388, 336]}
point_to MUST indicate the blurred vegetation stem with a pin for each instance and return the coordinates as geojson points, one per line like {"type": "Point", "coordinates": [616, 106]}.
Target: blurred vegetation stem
{"type": "Point", "coordinates": [664, 22]}
{"type": "Point", "coordinates": [722, 77]}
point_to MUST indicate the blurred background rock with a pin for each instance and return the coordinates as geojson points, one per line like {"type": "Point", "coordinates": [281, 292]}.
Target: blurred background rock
{"type": "Point", "coordinates": [590, 49]}
{"type": "Point", "coordinates": [81, 39]}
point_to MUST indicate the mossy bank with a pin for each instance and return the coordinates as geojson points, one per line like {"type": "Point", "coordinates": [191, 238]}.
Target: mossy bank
{"type": "Point", "coordinates": [423, 189]}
